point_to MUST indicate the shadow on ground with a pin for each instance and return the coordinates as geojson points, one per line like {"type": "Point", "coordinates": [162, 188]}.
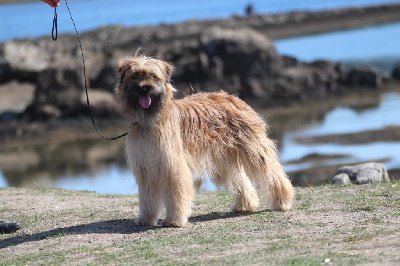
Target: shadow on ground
{"type": "Point", "coordinates": [118, 226]}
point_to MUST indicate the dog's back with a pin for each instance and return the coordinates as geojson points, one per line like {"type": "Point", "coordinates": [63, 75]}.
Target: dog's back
{"type": "Point", "coordinates": [217, 119]}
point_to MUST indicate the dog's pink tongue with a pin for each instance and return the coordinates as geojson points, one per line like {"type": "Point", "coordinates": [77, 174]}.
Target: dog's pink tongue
{"type": "Point", "coordinates": [145, 101]}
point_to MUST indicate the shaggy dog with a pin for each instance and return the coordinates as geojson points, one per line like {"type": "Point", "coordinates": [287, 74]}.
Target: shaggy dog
{"type": "Point", "coordinates": [178, 140]}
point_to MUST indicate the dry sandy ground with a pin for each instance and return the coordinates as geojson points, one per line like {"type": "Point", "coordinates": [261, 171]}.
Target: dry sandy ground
{"type": "Point", "coordinates": [328, 224]}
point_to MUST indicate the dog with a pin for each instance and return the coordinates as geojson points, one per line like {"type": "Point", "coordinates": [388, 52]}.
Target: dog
{"type": "Point", "coordinates": [176, 141]}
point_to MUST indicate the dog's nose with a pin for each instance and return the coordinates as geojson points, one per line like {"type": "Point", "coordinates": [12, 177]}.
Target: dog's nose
{"type": "Point", "coordinates": [143, 90]}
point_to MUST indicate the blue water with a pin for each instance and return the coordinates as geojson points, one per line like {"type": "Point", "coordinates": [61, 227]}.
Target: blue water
{"type": "Point", "coordinates": [34, 19]}
{"type": "Point", "coordinates": [378, 42]}
{"type": "Point", "coordinates": [346, 120]}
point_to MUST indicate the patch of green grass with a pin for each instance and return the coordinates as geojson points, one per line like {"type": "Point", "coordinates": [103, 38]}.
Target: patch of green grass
{"type": "Point", "coordinates": [304, 202]}
{"type": "Point", "coordinates": [143, 252]}
{"type": "Point", "coordinates": [303, 261]}
{"type": "Point", "coordinates": [41, 257]}
{"type": "Point", "coordinates": [356, 238]}
{"type": "Point", "coordinates": [366, 208]}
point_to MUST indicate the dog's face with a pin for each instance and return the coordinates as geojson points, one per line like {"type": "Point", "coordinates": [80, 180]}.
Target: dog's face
{"type": "Point", "coordinates": [143, 87]}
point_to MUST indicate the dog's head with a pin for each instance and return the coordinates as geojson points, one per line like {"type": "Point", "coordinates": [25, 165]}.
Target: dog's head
{"type": "Point", "coordinates": [143, 87]}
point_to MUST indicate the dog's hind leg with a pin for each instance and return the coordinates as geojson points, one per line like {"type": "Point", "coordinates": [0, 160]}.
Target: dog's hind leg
{"type": "Point", "coordinates": [231, 174]}
{"type": "Point", "coordinates": [246, 199]}
{"type": "Point", "coordinates": [262, 164]}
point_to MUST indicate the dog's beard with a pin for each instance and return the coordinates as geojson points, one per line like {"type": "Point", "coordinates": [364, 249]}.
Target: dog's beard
{"type": "Point", "coordinates": [144, 109]}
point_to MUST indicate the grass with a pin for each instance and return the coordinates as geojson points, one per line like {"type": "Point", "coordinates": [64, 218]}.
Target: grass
{"type": "Point", "coordinates": [347, 225]}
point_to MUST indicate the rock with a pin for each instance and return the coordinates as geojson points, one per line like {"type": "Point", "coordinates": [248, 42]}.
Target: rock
{"type": "Point", "coordinates": [396, 72]}
{"type": "Point", "coordinates": [58, 93]}
{"type": "Point", "coordinates": [105, 79]}
{"type": "Point", "coordinates": [360, 174]}
{"type": "Point", "coordinates": [102, 103]}
{"type": "Point", "coordinates": [235, 60]}
{"type": "Point", "coordinates": [245, 52]}
{"type": "Point", "coordinates": [5, 71]}
{"type": "Point", "coordinates": [364, 77]}
{"type": "Point", "coordinates": [23, 61]}
{"type": "Point", "coordinates": [341, 179]}
{"type": "Point", "coordinates": [7, 228]}
{"type": "Point", "coordinates": [15, 96]}
{"type": "Point", "coordinates": [289, 61]}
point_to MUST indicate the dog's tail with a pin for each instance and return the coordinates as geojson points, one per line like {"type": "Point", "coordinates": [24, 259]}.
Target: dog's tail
{"type": "Point", "coordinates": [265, 170]}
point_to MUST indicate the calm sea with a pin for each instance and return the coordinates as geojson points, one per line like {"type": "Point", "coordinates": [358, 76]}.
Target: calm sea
{"type": "Point", "coordinates": [35, 19]}
{"type": "Point", "coordinates": [377, 46]}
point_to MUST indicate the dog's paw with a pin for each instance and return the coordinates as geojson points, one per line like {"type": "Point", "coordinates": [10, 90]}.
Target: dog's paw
{"type": "Point", "coordinates": [243, 208]}
{"type": "Point", "coordinates": [172, 223]}
{"type": "Point", "coordinates": [145, 222]}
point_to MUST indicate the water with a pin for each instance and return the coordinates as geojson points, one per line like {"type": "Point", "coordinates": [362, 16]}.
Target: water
{"type": "Point", "coordinates": [367, 45]}
{"type": "Point", "coordinates": [34, 19]}
{"type": "Point", "coordinates": [346, 120]}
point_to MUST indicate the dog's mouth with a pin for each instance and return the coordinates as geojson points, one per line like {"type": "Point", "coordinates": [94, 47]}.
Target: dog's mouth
{"type": "Point", "coordinates": [145, 101]}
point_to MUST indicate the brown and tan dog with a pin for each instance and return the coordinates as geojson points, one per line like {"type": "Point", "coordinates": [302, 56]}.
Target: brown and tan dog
{"type": "Point", "coordinates": [177, 141]}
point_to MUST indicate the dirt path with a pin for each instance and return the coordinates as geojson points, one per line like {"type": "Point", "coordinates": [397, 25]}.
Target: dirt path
{"type": "Point", "coordinates": [339, 225]}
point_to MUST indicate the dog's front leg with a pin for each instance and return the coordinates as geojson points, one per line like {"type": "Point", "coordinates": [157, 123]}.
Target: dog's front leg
{"type": "Point", "coordinates": [178, 195]}
{"type": "Point", "coordinates": [150, 201]}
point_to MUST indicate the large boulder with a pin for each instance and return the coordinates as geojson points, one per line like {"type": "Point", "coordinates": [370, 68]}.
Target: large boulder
{"type": "Point", "coordinates": [305, 81]}
{"type": "Point", "coordinates": [58, 93]}
{"type": "Point", "coordinates": [245, 52]}
{"type": "Point", "coordinates": [360, 174]}
{"type": "Point", "coordinates": [245, 62]}
{"type": "Point", "coordinates": [22, 61]}
{"type": "Point", "coordinates": [236, 60]}
{"type": "Point", "coordinates": [364, 77]}
{"type": "Point", "coordinates": [242, 54]}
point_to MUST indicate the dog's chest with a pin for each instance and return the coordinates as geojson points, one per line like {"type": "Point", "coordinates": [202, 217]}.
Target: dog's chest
{"type": "Point", "coordinates": [145, 149]}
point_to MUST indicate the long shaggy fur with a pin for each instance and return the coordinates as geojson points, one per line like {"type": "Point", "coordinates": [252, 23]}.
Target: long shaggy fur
{"type": "Point", "coordinates": [175, 141]}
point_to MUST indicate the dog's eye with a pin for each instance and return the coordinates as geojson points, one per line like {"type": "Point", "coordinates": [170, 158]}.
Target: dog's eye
{"type": "Point", "coordinates": [153, 77]}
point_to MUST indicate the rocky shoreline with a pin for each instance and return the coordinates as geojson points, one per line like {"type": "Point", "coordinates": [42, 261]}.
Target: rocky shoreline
{"type": "Point", "coordinates": [234, 54]}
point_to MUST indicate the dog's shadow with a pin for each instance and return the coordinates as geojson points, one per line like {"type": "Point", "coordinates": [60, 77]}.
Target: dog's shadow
{"type": "Point", "coordinates": [118, 226]}
{"type": "Point", "coordinates": [221, 215]}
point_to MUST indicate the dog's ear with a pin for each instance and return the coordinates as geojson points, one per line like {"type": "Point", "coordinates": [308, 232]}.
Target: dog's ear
{"type": "Point", "coordinates": [122, 69]}
{"type": "Point", "coordinates": [168, 69]}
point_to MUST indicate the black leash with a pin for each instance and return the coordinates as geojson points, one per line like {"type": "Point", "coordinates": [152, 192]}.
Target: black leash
{"type": "Point", "coordinates": [84, 73]}
{"type": "Point", "coordinates": [54, 25]}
